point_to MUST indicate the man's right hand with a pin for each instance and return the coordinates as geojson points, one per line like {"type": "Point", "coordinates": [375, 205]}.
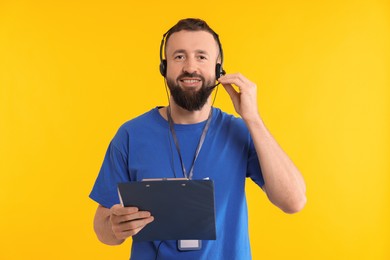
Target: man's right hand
{"type": "Point", "coordinates": [128, 221]}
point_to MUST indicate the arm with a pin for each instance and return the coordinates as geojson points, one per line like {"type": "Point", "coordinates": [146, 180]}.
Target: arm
{"type": "Point", "coordinates": [113, 226]}
{"type": "Point", "coordinates": [284, 185]}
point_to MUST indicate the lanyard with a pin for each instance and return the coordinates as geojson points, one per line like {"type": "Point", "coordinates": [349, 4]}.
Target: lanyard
{"type": "Point", "coordinates": [200, 144]}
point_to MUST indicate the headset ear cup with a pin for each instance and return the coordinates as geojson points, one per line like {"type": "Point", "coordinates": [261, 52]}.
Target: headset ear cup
{"type": "Point", "coordinates": [219, 71]}
{"type": "Point", "coordinates": [163, 68]}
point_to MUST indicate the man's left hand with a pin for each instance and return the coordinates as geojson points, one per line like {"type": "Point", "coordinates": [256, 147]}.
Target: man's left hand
{"type": "Point", "coordinates": [245, 99]}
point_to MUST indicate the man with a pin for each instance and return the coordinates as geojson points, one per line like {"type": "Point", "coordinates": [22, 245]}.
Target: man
{"type": "Point", "coordinates": [233, 149]}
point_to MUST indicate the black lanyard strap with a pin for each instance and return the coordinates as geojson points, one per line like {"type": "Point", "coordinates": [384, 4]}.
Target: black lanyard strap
{"type": "Point", "coordinates": [200, 144]}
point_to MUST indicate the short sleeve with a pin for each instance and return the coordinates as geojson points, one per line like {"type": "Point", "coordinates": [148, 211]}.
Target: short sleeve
{"type": "Point", "coordinates": [113, 171]}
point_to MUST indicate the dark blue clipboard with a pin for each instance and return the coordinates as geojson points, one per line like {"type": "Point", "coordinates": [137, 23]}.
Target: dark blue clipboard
{"type": "Point", "coordinates": [182, 209]}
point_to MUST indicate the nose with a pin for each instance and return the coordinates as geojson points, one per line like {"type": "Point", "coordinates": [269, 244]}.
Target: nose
{"type": "Point", "coordinates": [190, 65]}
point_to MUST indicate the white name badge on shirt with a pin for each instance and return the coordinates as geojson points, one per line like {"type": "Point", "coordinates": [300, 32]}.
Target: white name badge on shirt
{"type": "Point", "coordinates": [189, 245]}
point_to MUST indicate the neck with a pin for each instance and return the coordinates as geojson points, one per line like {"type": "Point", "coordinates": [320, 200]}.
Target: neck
{"type": "Point", "coordinates": [183, 116]}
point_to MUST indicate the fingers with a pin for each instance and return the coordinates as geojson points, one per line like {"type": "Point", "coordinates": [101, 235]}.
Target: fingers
{"type": "Point", "coordinates": [234, 95]}
{"type": "Point", "coordinates": [118, 219]}
{"type": "Point", "coordinates": [237, 79]}
{"type": "Point", "coordinates": [119, 210]}
{"type": "Point", "coordinates": [128, 221]}
{"type": "Point", "coordinates": [124, 230]}
{"type": "Point", "coordinates": [244, 98]}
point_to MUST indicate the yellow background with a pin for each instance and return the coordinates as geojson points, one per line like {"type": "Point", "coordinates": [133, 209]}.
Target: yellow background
{"type": "Point", "coordinates": [71, 72]}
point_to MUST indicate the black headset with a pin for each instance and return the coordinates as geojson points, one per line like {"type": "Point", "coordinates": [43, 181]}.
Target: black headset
{"type": "Point", "coordinates": [219, 71]}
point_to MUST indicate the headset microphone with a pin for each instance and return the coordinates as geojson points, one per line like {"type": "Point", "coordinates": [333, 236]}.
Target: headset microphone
{"type": "Point", "coordinates": [214, 86]}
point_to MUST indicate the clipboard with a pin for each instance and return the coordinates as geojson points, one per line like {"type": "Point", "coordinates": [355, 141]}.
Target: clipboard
{"type": "Point", "coordinates": [182, 209]}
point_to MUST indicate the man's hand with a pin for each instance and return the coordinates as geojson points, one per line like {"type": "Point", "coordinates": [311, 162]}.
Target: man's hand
{"type": "Point", "coordinates": [244, 100]}
{"type": "Point", "coordinates": [128, 221]}
{"type": "Point", "coordinates": [283, 182]}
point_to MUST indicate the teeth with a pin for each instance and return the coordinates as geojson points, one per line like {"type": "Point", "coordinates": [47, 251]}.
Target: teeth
{"type": "Point", "coordinates": [190, 80]}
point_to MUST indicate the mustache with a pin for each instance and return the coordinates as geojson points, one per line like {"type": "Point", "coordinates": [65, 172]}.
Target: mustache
{"type": "Point", "coordinates": [190, 75]}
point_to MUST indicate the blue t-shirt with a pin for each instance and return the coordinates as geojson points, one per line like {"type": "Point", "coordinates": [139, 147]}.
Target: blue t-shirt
{"type": "Point", "coordinates": [144, 148]}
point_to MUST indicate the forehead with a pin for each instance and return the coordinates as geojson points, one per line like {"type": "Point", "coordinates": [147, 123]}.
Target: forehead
{"type": "Point", "coordinates": [191, 41]}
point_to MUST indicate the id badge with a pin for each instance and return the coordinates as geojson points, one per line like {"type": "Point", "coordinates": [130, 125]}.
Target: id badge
{"type": "Point", "coordinates": [189, 245]}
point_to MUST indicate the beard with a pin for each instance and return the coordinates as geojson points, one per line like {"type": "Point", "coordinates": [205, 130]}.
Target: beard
{"type": "Point", "coordinates": [189, 99]}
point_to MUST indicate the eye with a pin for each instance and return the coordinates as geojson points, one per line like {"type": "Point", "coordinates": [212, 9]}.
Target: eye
{"type": "Point", "coordinates": [202, 57]}
{"type": "Point", "coordinates": [179, 57]}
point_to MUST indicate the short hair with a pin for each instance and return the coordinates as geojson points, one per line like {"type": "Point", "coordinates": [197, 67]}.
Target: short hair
{"type": "Point", "coordinates": [191, 24]}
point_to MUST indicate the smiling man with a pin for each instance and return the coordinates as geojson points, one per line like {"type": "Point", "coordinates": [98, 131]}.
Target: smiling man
{"type": "Point", "coordinates": [189, 78]}
{"type": "Point", "coordinates": [232, 150]}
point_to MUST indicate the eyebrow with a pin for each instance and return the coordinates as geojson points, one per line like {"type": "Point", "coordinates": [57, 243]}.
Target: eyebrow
{"type": "Point", "coordinates": [184, 51]}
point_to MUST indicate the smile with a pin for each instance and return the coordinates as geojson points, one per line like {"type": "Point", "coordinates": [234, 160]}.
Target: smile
{"type": "Point", "coordinates": [190, 80]}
